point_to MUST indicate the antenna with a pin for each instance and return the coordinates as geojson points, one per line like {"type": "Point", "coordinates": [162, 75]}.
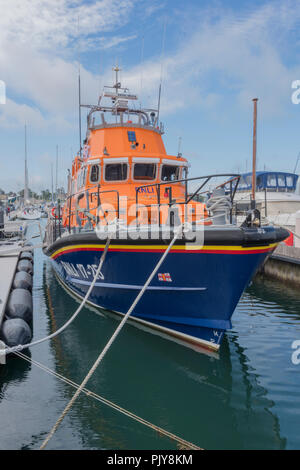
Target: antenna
{"type": "Point", "coordinates": [142, 61]}
{"type": "Point", "coordinates": [298, 157]}
{"type": "Point", "coordinates": [117, 85]}
{"type": "Point", "coordinates": [179, 154]}
{"type": "Point", "coordinates": [26, 194]}
{"type": "Point", "coordinates": [161, 68]}
{"type": "Point", "coordinates": [56, 171]}
{"type": "Point", "coordinates": [79, 91]}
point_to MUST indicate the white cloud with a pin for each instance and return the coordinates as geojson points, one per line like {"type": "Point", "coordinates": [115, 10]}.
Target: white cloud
{"type": "Point", "coordinates": [223, 52]}
{"type": "Point", "coordinates": [49, 24]}
{"type": "Point", "coordinates": [229, 53]}
{"type": "Point", "coordinates": [13, 115]}
{"type": "Point", "coordinates": [35, 37]}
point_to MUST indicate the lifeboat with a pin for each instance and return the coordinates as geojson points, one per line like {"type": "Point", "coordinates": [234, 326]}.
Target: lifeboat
{"type": "Point", "coordinates": [123, 185]}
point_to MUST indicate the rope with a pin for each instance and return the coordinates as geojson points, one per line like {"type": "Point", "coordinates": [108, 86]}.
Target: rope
{"type": "Point", "coordinates": [60, 330]}
{"type": "Point", "coordinates": [109, 343]}
{"type": "Point", "coordinates": [181, 442]}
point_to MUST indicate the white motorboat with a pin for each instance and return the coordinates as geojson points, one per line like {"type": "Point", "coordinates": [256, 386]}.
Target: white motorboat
{"type": "Point", "coordinates": [29, 214]}
{"type": "Point", "coordinates": [277, 195]}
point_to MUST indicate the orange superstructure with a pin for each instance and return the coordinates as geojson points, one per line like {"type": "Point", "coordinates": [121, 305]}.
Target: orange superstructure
{"type": "Point", "coordinates": [123, 171]}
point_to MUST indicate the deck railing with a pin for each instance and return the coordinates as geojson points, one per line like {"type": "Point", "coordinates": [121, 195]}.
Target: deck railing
{"type": "Point", "coordinates": [230, 186]}
{"type": "Point", "coordinates": [234, 178]}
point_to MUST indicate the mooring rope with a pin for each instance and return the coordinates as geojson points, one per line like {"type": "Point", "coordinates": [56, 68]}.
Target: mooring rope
{"type": "Point", "coordinates": [110, 342]}
{"type": "Point", "coordinates": [20, 347]}
{"type": "Point", "coordinates": [180, 442]}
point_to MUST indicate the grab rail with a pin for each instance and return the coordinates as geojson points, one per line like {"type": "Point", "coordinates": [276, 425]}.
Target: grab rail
{"type": "Point", "coordinates": [187, 198]}
{"type": "Point", "coordinates": [233, 182]}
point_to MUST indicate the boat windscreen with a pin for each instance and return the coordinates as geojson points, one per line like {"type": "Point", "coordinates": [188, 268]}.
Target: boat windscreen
{"type": "Point", "coordinates": [116, 171]}
{"type": "Point", "coordinates": [170, 173]}
{"type": "Point", "coordinates": [144, 171]}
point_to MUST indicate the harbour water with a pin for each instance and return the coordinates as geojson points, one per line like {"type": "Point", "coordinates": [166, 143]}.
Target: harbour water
{"type": "Point", "coordinates": [247, 397]}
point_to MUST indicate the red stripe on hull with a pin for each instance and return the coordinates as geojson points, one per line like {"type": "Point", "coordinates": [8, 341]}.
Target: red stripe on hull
{"type": "Point", "coordinates": [225, 252]}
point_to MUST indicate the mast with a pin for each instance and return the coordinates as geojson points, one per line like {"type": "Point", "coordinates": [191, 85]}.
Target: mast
{"type": "Point", "coordinates": [254, 154]}
{"type": "Point", "coordinates": [79, 90]}
{"type": "Point", "coordinates": [26, 192]}
{"type": "Point", "coordinates": [56, 167]}
{"type": "Point", "coordinates": [117, 84]}
{"type": "Point", "coordinates": [161, 69]}
{"type": "Point", "coordinates": [52, 183]}
{"type": "Point", "coordinates": [79, 108]}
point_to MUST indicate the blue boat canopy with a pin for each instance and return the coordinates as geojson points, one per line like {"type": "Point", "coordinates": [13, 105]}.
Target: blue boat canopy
{"type": "Point", "coordinates": [273, 180]}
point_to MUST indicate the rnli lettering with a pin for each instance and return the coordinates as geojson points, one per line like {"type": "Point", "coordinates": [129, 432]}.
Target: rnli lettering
{"type": "Point", "coordinates": [147, 190]}
{"type": "Point", "coordinates": [80, 271]}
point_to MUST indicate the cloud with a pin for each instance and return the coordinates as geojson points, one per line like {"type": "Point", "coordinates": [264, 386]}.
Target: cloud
{"type": "Point", "coordinates": [227, 55]}
{"type": "Point", "coordinates": [13, 115]}
{"type": "Point", "coordinates": [223, 53]}
{"type": "Point", "coordinates": [107, 43]}
{"type": "Point", "coordinates": [37, 37]}
{"type": "Point", "coordinates": [52, 24]}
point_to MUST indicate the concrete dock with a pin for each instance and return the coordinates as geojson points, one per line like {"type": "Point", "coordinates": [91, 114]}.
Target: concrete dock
{"type": "Point", "coordinates": [284, 264]}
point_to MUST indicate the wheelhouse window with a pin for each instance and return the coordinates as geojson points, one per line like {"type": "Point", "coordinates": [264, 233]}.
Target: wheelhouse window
{"type": "Point", "coordinates": [144, 171]}
{"type": "Point", "coordinates": [281, 181]}
{"type": "Point", "coordinates": [259, 182]}
{"type": "Point", "coordinates": [81, 178]}
{"type": "Point", "coordinates": [272, 180]}
{"type": "Point", "coordinates": [116, 171]}
{"type": "Point", "coordinates": [95, 174]}
{"type": "Point", "coordinates": [170, 173]}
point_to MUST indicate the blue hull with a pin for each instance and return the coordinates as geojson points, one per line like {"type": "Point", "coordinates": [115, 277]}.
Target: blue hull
{"type": "Point", "coordinates": [192, 297]}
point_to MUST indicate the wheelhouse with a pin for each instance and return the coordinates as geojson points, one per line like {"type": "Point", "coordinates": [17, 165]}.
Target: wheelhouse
{"type": "Point", "coordinates": [269, 180]}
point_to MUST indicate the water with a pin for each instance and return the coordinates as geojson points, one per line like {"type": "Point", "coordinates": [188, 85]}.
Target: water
{"type": "Point", "coordinates": [247, 398]}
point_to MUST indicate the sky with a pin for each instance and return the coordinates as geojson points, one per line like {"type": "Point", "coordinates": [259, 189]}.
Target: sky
{"type": "Point", "coordinates": [213, 58]}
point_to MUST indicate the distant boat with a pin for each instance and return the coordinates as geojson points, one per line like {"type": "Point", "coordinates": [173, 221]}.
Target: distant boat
{"type": "Point", "coordinates": [29, 213]}
{"type": "Point", "coordinates": [277, 194]}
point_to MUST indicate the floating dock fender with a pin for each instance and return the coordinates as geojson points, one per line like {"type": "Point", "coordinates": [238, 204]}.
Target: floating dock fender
{"type": "Point", "coordinates": [15, 331]}
{"type": "Point", "coordinates": [19, 305]}
{"type": "Point", "coordinates": [22, 280]}
{"type": "Point", "coordinates": [25, 265]}
{"type": "Point", "coordinates": [26, 255]}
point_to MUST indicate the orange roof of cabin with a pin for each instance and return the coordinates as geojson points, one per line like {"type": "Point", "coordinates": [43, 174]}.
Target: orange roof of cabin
{"type": "Point", "coordinates": [115, 139]}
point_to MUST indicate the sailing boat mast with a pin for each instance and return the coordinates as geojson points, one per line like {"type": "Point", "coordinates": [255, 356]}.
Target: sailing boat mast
{"type": "Point", "coordinates": [26, 192]}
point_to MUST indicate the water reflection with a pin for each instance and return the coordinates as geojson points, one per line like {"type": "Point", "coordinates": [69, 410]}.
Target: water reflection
{"type": "Point", "coordinates": [14, 372]}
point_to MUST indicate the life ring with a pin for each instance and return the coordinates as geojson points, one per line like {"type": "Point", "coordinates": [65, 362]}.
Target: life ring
{"type": "Point", "coordinates": [53, 213]}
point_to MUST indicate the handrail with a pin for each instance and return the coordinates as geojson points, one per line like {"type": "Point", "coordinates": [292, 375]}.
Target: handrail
{"type": "Point", "coordinates": [187, 199]}
{"type": "Point", "coordinates": [80, 195]}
